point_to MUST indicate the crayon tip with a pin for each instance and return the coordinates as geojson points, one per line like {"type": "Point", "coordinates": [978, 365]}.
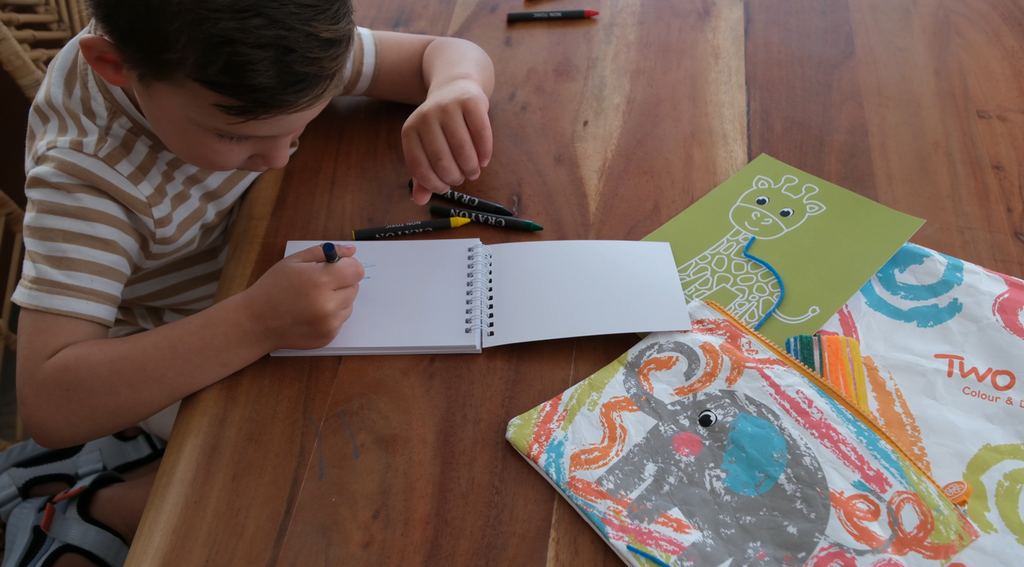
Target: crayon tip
{"type": "Point", "coordinates": [533, 227]}
{"type": "Point", "coordinates": [459, 221]}
{"type": "Point", "coordinates": [590, 13]}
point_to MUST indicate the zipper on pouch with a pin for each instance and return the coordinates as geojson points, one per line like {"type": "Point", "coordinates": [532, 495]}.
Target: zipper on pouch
{"type": "Point", "coordinates": [825, 387]}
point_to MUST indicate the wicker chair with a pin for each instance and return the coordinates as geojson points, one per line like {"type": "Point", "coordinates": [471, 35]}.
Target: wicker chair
{"type": "Point", "coordinates": [11, 217]}
{"type": "Point", "coordinates": [31, 34]}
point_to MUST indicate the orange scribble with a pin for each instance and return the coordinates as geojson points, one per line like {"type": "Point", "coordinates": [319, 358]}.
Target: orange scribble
{"type": "Point", "coordinates": [675, 524]}
{"type": "Point", "coordinates": [655, 364]}
{"type": "Point", "coordinates": [736, 337]}
{"type": "Point", "coordinates": [736, 362]}
{"type": "Point", "coordinates": [592, 492]}
{"type": "Point", "coordinates": [614, 518]}
{"type": "Point", "coordinates": [853, 512]}
{"type": "Point", "coordinates": [857, 510]}
{"type": "Point", "coordinates": [545, 428]}
{"type": "Point", "coordinates": [916, 539]}
{"type": "Point", "coordinates": [613, 437]}
{"type": "Point", "coordinates": [896, 417]}
{"type": "Point", "coordinates": [712, 368]}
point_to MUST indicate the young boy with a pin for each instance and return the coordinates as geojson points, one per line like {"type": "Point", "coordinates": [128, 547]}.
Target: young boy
{"type": "Point", "coordinates": [146, 132]}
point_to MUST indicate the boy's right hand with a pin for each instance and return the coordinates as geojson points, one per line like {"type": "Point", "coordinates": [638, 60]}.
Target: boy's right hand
{"type": "Point", "coordinates": [302, 301]}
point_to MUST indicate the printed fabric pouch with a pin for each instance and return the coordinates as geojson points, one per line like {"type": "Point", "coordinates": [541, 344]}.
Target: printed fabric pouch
{"type": "Point", "coordinates": [714, 447]}
{"type": "Point", "coordinates": [942, 345]}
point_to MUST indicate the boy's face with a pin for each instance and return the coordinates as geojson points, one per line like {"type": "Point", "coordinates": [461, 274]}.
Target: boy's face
{"type": "Point", "coordinates": [182, 114]}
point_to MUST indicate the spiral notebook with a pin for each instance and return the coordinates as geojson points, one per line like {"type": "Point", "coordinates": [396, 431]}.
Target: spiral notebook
{"type": "Point", "coordinates": [459, 296]}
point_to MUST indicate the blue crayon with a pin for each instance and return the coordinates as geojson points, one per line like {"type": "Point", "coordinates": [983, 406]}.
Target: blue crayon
{"type": "Point", "coordinates": [330, 253]}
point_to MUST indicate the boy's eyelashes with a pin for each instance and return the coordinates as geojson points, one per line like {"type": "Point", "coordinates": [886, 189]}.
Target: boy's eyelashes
{"type": "Point", "coordinates": [231, 139]}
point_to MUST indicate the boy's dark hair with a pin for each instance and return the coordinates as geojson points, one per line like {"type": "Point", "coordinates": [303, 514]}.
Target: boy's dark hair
{"type": "Point", "coordinates": [271, 57]}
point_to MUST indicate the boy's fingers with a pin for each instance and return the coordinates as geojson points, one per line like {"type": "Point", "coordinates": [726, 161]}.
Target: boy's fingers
{"type": "Point", "coordinates": [347, 273]}
{"type": "Point", "coordinates": [439, 156]}
{"type": "Point", "coordinates": [316, 253]}
{"type": "Point", "coordinates": [345, 250]}
{"type": "Point", "coordinates": [480, 130]}
{"type": "Point", "coordinates": [420, 194]}
{"type": "Point", "coordinates": [311, 254]}
{"type": "Point", "coordinates": [418, 163]}
{"type": "Point", "coordinates": [457, 135]}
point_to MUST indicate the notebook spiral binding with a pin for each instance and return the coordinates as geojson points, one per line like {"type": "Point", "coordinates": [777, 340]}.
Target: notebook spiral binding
{"type": "Point", "coordinates": [479, 306]}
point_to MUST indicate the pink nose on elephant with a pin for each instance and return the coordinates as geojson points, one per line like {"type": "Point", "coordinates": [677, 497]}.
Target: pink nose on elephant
{"type": "Point", "coordinates": [687, 444]}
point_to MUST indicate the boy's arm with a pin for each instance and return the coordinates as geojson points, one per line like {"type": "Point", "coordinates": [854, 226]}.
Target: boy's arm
{"type": "Point", "coordinates": [448, 138]}
{"type": "Point", "coordinates": [76, 385]}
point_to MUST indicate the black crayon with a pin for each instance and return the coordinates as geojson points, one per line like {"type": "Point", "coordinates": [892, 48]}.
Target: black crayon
{"type": "Point", "coordinates": [551, 15]}
{"type": "Point", "coordinates": [407, 228]}
{"type": "Point", "coordinates": [472, 202]}
{"type": "Point", "coordinates": [486, 218]}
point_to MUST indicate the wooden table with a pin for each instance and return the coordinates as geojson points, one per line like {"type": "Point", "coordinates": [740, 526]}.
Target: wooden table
{"type": "Point", "coordinates": [603, 129]}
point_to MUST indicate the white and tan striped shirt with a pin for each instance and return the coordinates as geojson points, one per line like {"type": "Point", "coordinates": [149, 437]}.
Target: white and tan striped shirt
{"type": "Point", "coordinates": [118, 230]}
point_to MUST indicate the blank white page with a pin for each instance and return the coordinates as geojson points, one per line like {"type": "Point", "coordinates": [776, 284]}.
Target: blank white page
{"type": "Point", "coordinates": [568, 288]}
{"type": "Point", "coordinates": [412, 299]}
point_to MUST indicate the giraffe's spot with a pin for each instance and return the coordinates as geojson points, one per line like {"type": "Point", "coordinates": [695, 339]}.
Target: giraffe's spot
{"type": "Point", "coordinates": [765, 276]}
{"type": "Point", "coordinates": [728, 248]}
{"type": "Point", "coordinates": [703, 259]}
{"type": "Point", "coordinates": [773, 286]}
{"type": "Point", "coordinates": [720, 263]}
{"type": "Point", "coordinates": [704, 283]}
{"type": "Point", "coordinates": [767, 304]}
{"type": "Point", "coordinates": [700, 271]}
{"type": "Point", "coordinates": [698, 294]}
{"type": "Point", "coordinates": [739, 266]}
{"type": "Point", "coordinates": [747, 280]}
{"type": "Point", "coordinates": [760, 289]}
{"type": "Point", "coordinates": [723, 280]}
{"type": "Point", "coordinates": [740, 305]}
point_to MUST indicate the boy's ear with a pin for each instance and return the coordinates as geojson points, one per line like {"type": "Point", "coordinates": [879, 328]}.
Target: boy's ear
{"type": "Point", "coordinates": [105, 59]}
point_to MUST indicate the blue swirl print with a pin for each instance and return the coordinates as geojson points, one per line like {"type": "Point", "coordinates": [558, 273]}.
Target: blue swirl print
{"type": "Point", "coordinates": [924, 316]}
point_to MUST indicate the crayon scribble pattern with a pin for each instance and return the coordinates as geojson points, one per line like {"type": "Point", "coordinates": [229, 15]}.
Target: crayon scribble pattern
{"type": "Point", "coordinates": [996, 475]}
{"type": "Point", "coordinates": [925, 305]}
{"type": "Point", "coordinates": [1008, 307]}
{"type": "Point", "coordinates": [704, 449]}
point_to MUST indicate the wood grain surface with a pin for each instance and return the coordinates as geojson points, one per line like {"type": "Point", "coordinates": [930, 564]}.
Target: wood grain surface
{"type": "Point", "coordinates": [603, 129]}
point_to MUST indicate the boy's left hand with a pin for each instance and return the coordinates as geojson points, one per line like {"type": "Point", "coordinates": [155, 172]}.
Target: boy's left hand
{"type": "Point", "coordinates": [448, 138]}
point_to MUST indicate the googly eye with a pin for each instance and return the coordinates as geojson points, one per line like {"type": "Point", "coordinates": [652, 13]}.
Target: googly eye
{"type": "Point", "coordinates": [786, 213]}
{"type": "Point", "coordinates": [762, 200]}
{"type": "Point", "coordinates": [707, 418]}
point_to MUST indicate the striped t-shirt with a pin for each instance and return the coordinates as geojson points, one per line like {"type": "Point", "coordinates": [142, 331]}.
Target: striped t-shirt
{"type": "Point", "coordinates": [118, 230]}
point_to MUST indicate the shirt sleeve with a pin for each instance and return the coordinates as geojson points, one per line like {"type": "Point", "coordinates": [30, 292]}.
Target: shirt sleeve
{"type": "Point", "coordinates": [80, 243]}
{"type": "Point", "coordinates": [361, 68]}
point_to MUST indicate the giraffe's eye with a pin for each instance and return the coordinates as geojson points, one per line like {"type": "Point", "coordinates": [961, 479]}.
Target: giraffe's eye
{"type": "Point", "coordinates": [707, 418]}
{"type": "Point", "coordinates": [786, 213]}
{"type": "Point", "coordinates": [762, 200]}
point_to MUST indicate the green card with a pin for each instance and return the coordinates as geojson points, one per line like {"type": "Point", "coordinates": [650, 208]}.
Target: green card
{"type": "Point", "coordinates": [823, 241]}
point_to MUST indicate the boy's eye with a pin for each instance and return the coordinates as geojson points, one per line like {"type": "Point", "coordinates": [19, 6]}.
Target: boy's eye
{"type": "Point", "coordinates": [231, 139]}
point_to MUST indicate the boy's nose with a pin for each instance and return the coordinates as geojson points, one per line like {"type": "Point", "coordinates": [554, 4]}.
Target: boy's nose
{"type": "Point", "coordinates": [276, 158]}
{"type": "Point", "coordinates": [271, 157]}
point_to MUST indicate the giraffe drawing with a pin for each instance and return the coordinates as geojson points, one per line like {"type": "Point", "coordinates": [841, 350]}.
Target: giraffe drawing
{"type": "Point", "coordinates": [722, 274]}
